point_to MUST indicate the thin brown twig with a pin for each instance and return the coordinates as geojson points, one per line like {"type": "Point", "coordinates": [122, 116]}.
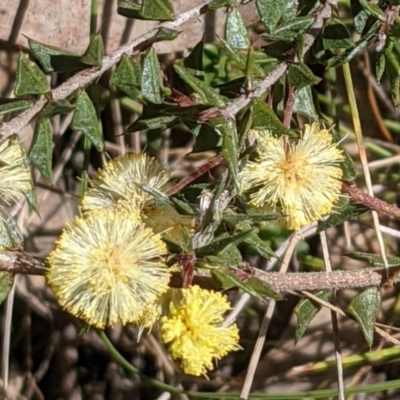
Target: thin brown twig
{"type": "Point", "coordinates": [371, 202]}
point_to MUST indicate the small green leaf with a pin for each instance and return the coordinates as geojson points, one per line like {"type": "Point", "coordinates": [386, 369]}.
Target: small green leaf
{"type": "Point", "coordinates": [349, 54]}
{"type": "Point", "coordinates": [10, 235]}
{"type": "Point", "coordinates": [216, 4]}
{"type": "Point", "coordinates": [270, 12]}
{"type": "Point", "coordinates": [288, 31]}
{"type": "Point", "coordinates": [6, 282]}
{"type": "Point", "coordinates": [230, 149]}
{"type": "Point", "coordinates": [85, 120]}
{"type": "Point", "coordinates": [365, 307]}
{"type": "Point", "coordinates": [343, 211]}
{"type": "Point", "coordinates": [206, 94]}
{"type": "Point", "coordinates": [375, 260]}
{"type": "Point", "coordinates": [261, 288]}
{"type": "Point", "coordinates": [152, 84]}
{"type": "Point", "coordinates": [30, 78]}
{"type": "Point", "coordinates": [235, 30]}
{"type": "Point", "coordinates": [157, 10]}
{"type": "Point", "coordinates": [360, 16]}
{"type": "Point", "coordinates": [373, 10]}
{"type": "Point", "coordinates": [46, 55]}
{"type": "Point", "coordinates": [380, 66]}
{"type": "Point", "coordinates": [127, 77]}
{"type": "Point", "coordinates": [304, 104]}
{"type": "Point", "coordinates": [11, 105]}
{"type": "Point", "coordinates": [161, 122]}
{"type": "Point", "coordinates": [56, 107]}
{"type": "Point", "coordinates": [255, 241]}
{"type": "Point", "coordinates": [221, 245]}
{"type": "Point", "coordinates": [307, 310]}
{"type": "Point", "coordinates": [231, 258]}
{"type": "Point", "coordinates": [392, 70]}
{"type": "Point", "coordinates": [40, 152]}
{"type": "Point", "coordinates": [336, 36]}
{"type": "Point", "coordinates": [299, 76]}
{"type": "Point", "coordinates": [194, 60]}
{"type": "Point", "coordinates": [265, 119]}
{"type": "Point", "coordinates": [163, 34]}
{"type": "Point", "coordinates": [207, 138]}
{"type": "Point", "coordinates": [95, 51]}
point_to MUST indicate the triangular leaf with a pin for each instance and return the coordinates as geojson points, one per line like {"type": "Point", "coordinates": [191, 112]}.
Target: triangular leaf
{"type": "Point", "coordinates": [127, 77]}
{"type": "Point", "coordinates": [265, 119]}
{"type": "Point", "coordinates": [270, 12]}
{"type": "Point", "coordinates": [56, 107]}
{"type": "Point", "coordinates": [85, 120]}
{"type": "Point", "coordinates": [12, 105]}
{"type": "Point", "coordinates": [299, 76]}
{"type": "Point", "coordinates": [46, 54]}
{"type": "Point", "coordinates": [365, 307]}
{"type": "Point", "coordinates": [206, 94]}
{"type": "Point", "coordinates": [30, 78]}
{"type": "Point", "coordinates": [40, 152]}
{"type": "Point", "coordinates": [306, 311]}
{"type": "Point", "coordinates": [10, 235]}
{"type": "Point", "coordinates": [235, 30]}
{"type": "Point", "coordinates": [95, 51]}
{"type": "Point", "coordinates": [152, 84]}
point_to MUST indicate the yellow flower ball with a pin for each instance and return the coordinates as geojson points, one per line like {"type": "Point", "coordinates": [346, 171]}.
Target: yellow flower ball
{"type": "Point", "coordinates": [108, 267]}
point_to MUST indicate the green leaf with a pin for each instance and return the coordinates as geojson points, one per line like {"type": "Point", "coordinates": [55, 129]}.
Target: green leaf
{"type": "Point", "coordinates": [10, 235]}
{"type": "Point", "coordinates": [152, 84]}
{"type": "Point", "coordinates": [6, 282]}
{"type": "Point", "coordinates": [30, 78]}
{"type": "Point", "coordinates": [360, 16]}
{"type": "Point", "coordinates": [127, 77]}
{"type": "Point", "coordinates": [206, 94]}
{"type": "Point", "coordinates": [221, 245]}
{"type": "Point", "coordinates": [40, 152]}
{"type": "Point", "coordinates": [157, 10]}
{"type": "Point", "coordinates": [11, 105]}
{"type": "Point", "coordinates": [304, 104]}
{"type": "Point", "coordinates": [299, 76]}
{"type": "Point", "coordinates": [163, 34]}
{"type": "Point", "coordinates": [365, 307]}
{"type": "Point", "coordinates": [56, 107]}
{"type": "Point", "coordinates": [380, 66]}
{"type": "Point", "coordinates": [161, 122]}
{"type": "Point", "coordinates": [195, 58]}
{"type": "Point", "coordinates": [226, 279]}
{"type": "Point", "coordinates": [46, 55]}
{"type": "Point", "coordinates": [288, 31]}
{"type": "Point", "coordinates": [235, 30]}
{"type": "Point", "coordinates": [336, 36]}
{"type": "Point", "coordinates": [343, 211]}
{"type": "Point", "coordinates": [307, 310]}
{"type": "Point", "coordinates": [255, 241]}
{"type": "Point", "coordinates": [373, 10]}
{"type": "Point", "coordinates": [216, 4]}
{"type": "Point", "coordinates": [392, 70]}
{"type": "Point", "coordinates": [263, 289]}
{"type": "Point", "coordinates": [230, 149]}
{"type": "Point", "coordinates": [349, 54]}
{"type": "Point", "coordinates": [375, 260]}
{"type": "Point", "coordinates": [231, 257]}
{"type": "Point", "coordinates": [85, 120]}
{"type": "Point", "coordinates": [95, 51]}
{"type": "Point", "coordinates": [270, 12]}
{"type": "Point", "coordinates": [265, 119]}
{"type": "Point", "coordinates": [207, 138]}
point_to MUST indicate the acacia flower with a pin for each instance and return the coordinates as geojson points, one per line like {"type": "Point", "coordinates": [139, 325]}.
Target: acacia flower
{"type": "Point", "coordinates": [193, 329]}
{"type": "Point", "coordinates": [117, 184]}
{"type": "Point", "coordinates": [302, 177]}
{"type": "Point", "coordinates": [15, 174]}
{"type": "Point", "coordinates": [108, 267]}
